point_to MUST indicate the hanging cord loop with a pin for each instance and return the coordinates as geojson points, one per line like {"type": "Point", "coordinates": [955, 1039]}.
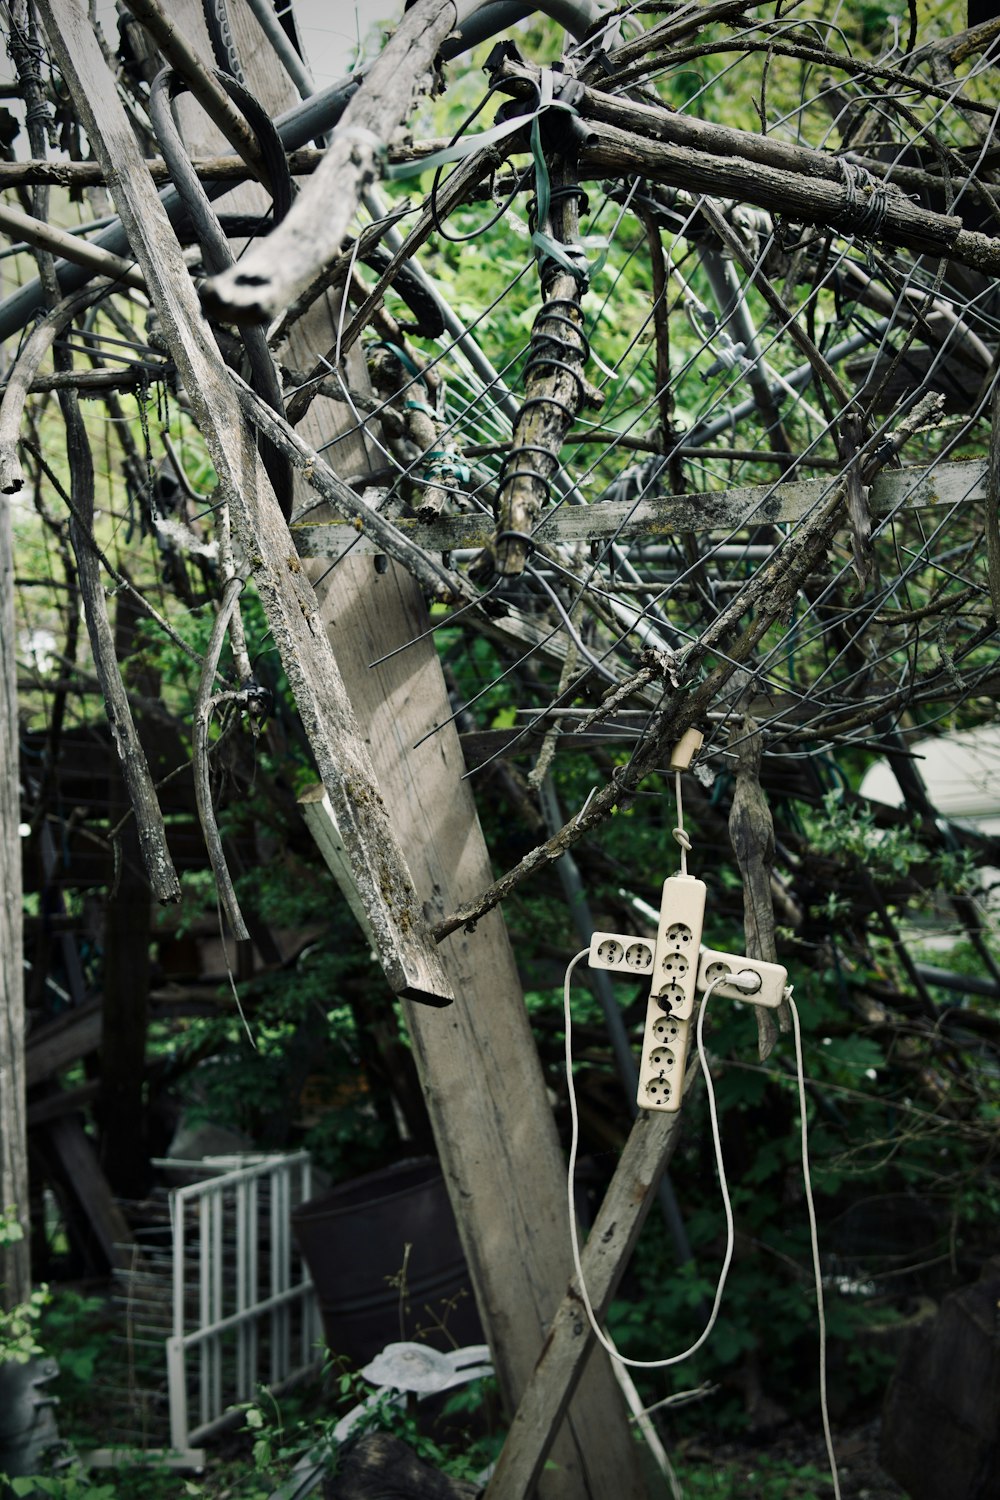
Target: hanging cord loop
{"type": "Point", "coordinates": [680, 832]}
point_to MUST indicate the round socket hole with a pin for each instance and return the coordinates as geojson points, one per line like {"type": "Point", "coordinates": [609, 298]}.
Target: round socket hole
{"type": "Point", "coordinates": [671, 997]}
{"type": "Point", "coordinates": [639, 956]}
{"type": "Point", "coordinates": [717, 971]}
{"type": "Point", "coordinates": [675, 966]}
{"type": "Point", "coordinates": [659, 1090]}
{"type": "Point", "coordinates": [667, 1029]}
{"type": "Point", "coordinates": [610, 952]}
{"type": "Point", "coordinates": [680, 934]}
{"type": "Point", "coordinates": [662, 1058]}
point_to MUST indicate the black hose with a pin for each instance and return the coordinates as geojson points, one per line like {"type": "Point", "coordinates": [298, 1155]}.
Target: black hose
{"type": "Point", "coordinates": [218, 257]}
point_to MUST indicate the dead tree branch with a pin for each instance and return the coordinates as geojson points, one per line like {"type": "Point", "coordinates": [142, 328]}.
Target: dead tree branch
{"type": "Point", "coordinates": [275, 270]}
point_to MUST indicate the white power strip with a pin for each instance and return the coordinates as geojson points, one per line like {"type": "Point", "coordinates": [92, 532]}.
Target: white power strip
{"type": "Point", "coordinates": [678, 967]}
{"type": "Point", "coordinates": [673, 967]}
{"type": "Point", "coordinates": [750, 978]}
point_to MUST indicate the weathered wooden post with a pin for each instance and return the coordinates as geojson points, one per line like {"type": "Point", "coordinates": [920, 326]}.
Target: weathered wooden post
{"type": "Point", "coordinates": [15, 1266]}
{"type": "Point", "coordinates": [477, 1059]}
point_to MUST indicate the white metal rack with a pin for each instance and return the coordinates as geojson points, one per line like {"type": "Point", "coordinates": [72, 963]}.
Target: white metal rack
{"type": "Point", "coordinates": [244, 1309]}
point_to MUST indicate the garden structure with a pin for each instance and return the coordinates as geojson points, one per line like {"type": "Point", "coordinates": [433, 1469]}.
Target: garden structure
{"type": "Point", "coordinates": [613, 417]}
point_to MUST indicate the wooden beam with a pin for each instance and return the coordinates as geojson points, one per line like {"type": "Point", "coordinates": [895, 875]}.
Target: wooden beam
{"type": "Point", "coordinates": [810, 200]}
{"type": "Point", "coordinates": [77, 174]}
{"type": "Point", "coordinates": [275, 269]}
{"type": "Point", "coordinates": [15, 1266]}
{"type": "Point", "coordinates": [62, 1102]}
{"type": "Point", "coordinates": [478, 1063]}
{"type": "Point", "coordinates": [82, 1176]}
{"type": "Point", "coordinates": [321, 820]}
{"type": "Point", "coordinates": [630, 1195]}
{"type": "Point", "coordinates": [407, 954]}
{"type": "Point", "coordinates": [660, 124]}
{"type": "Point", "coordinates": [61, 1043]}
{"type": "Point", "coordinates": [19, 225]}
{"type": "Point", "coordinates": [913, 488]}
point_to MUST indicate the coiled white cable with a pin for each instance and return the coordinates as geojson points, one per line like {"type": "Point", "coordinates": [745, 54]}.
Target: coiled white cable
{"type": "Point", "coordinates": [602, 1338]}
{"type": "Point", "coordinates": [676, 1359]}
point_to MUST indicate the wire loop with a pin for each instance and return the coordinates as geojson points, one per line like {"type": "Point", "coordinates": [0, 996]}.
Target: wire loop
{"type": "Point", "coordinates": [870, 211]}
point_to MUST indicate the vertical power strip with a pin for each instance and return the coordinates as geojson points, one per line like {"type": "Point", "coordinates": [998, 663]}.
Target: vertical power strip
{"type": "Point", "coordinates": [672, 965]}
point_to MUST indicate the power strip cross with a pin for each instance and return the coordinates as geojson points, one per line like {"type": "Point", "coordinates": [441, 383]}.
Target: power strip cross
{"type": "Point", "coordinates": [679, 967]}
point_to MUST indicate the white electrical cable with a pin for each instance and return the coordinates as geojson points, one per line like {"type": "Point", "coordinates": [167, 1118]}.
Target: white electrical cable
{"type": "Point", "coordinates": [676, 1359]}
{"type": "Point", "coordinates": [680, 834]}
{"type": "Point", "coordinates": [814, 1239]}
{"type": "Point", "coordinates": [602, 1338]}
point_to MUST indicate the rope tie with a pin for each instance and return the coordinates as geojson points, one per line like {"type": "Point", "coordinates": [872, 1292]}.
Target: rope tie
{"type": "Point", "coordinates": [867, 198]}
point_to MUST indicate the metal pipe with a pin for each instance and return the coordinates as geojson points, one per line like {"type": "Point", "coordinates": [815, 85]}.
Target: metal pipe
{"type": "Point", "coordinates": [279, 39]}
{"type": "Point", "coordinates": [968, 984]}
{"type": "Point", "coordinates": [703, 432]}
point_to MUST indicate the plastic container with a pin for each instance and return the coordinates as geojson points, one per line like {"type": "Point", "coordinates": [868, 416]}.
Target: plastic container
{"type": "Point", "coordinates": [372, 1290]}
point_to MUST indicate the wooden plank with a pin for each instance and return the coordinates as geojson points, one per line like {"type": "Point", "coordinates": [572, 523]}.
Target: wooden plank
{"type": "Point", "coordinates": [15, 1266]}
{"type": "Point", "coordinates": [630, 1195]}
{"type": "Point", "coordinates": [407, 954]}
{"type": "Point", "coordinates": [62, 1102]}
{"type": "Point", "coordinates": [321, 821]}
{"type": "Point", "coordinates": [478, 1062]}
{"type": "Point", "coordinates": [913, 488]}
{"type": "Point", "coordinates": [72, 1148]}
{"type": "Point", "coordinates": [61, 1043]}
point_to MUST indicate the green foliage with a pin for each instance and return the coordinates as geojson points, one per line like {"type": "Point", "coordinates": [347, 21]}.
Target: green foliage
{"type": "Point", "coordinates": [19, 1324]}
{"type": "Point", "coordinates": [74, 1484]}
{"type": "Point", "coordinates": [281, 1438]}
{"type": "Point", "coordinates": [765, 1479]}
{"type": "Point", "coordinates": [849, 830]}
{"type": "Point", "coordinates": [77, 1331]}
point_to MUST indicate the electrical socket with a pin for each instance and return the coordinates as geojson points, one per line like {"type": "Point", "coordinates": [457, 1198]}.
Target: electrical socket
{"type": "Point", "coordinates": [621, 953]}
{"type": "Point", "coordinates": [671, 961]}
{"type": "Point", "coordinates": [772, 978]}
{"type": "Point", "coordinates": [667, 1029]}
{"type": "Point", "coordinates": [671, 999]}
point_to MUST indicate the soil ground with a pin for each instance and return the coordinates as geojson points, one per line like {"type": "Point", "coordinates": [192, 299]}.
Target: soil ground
{"type": "Point", "coordinates": [767, 1470]}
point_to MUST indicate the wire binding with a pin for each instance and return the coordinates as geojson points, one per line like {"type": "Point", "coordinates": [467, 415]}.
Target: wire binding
{"type": "Point", "coordinates": [870, 211]}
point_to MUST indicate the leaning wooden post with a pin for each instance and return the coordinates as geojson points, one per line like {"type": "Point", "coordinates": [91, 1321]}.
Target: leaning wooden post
{"type": "Point", "coordinates": [651, 1143]}
{"type": "Point", "coordinates": [478, 1064]}
{"type": "Point", "coordinates": [15, 1264]}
